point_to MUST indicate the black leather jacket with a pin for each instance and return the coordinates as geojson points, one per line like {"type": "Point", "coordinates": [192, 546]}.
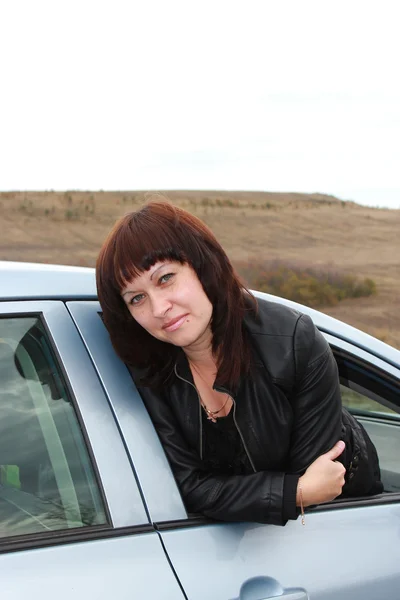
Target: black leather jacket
{"type": "Point", "coordinates": [287, 411]}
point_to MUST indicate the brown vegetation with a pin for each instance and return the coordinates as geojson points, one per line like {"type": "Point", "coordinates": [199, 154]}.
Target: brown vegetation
{"type": "Point", "coordinates": [313, 230]}
{"type": "Point", "coordinates": [304, 284]}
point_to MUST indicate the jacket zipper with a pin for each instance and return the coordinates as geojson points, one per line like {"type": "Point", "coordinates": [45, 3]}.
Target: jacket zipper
{"type": "Point", "coordinates": [201, 422]}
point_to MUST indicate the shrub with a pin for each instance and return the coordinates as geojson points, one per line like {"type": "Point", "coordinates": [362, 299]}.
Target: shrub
{"type": "Point", "coordinates": [367, 287]}
{"type": "Point", "coordinates": [306, 285]}
{"type": "Point", "coordinates": [72, 214]}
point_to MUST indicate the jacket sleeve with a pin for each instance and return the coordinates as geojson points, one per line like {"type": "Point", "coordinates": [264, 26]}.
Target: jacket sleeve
{"type": "Point", "coordinates": [256, 497]}
{"type": "Point", "coordinates": [316, 399]}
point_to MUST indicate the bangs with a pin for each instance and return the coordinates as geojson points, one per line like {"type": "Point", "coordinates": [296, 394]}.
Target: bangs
{"type": "Point", "coordinates": [139, 243]}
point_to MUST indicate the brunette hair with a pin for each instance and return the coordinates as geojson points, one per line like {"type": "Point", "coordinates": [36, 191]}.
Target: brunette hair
{"type": "Point", "coordinates": [160, 231]}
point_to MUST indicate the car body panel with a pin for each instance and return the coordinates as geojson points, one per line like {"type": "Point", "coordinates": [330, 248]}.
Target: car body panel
{"type": "Point", "coordinates": [132, 566]}
{"type": "Point", "coordinates": [349, 554]}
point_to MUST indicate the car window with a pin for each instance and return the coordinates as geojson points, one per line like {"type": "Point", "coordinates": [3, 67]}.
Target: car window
{"type": "Point", "coordinates": [47, 481]}
{"type": "Point", "coordinates": [366, 389]}
{"type": "Point", "coordinates": [360, 403]}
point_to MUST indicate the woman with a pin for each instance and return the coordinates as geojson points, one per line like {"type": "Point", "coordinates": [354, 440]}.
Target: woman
{"type": "Point", "coordinates": [244, 394]}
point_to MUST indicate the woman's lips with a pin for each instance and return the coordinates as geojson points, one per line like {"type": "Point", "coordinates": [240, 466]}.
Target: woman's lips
{"type": "Point", "coordinates": [174, 323]}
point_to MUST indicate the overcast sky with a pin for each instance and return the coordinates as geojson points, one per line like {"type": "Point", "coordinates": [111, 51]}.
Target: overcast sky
{"type": "Point", "coordinates": [271, 95]}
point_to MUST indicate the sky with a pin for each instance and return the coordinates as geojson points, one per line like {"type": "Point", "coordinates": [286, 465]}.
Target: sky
{"type": "Point", "coordinates": [288, 95]}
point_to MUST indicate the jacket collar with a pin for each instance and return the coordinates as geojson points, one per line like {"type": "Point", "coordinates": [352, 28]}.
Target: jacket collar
{"type": "Point", "coordinates": [182, 371]}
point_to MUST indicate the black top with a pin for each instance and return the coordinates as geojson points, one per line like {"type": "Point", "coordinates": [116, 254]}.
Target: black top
{"type": "Point", "coordinates": [223, 450]}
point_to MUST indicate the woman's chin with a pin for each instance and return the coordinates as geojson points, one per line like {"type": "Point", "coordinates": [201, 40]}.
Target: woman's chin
{"type": "Point", "coordinates": [181, 340]}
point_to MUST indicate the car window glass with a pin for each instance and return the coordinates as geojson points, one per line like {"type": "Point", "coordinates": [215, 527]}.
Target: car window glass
{"type": "Point", "coordinates": [46, 477]}
{"type": "Point", "coordinates": [356, 402]}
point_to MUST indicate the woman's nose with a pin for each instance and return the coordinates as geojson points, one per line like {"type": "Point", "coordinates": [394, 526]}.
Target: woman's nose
{"type": "Point", "coordinates": [160, 306]}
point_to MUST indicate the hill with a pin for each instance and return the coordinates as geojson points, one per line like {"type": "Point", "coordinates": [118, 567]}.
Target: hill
{"type": "Point", "coordinates": [308, 229]}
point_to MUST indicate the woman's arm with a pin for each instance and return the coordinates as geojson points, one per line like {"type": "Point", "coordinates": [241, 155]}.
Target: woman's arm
{"type": "Point", "coordinates": [316, 399]}
{"type": "Point", "coordinates": [323, 480]}
{"type": "Point", "coordinates": [317, 427]}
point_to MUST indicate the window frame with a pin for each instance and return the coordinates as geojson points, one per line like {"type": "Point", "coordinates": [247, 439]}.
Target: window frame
{"type": "Point", "coordinates": [379, 369]}
{"type": "Point", "coordinates": [158, 486]}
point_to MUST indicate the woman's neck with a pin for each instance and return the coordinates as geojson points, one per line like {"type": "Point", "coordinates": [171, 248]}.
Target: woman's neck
{"type": "Point", "coordinates": [203, 366]}
{"type": "Point", "coordinates": [201, 358]}
{"type": "Point", "coordinates": [200, 354]}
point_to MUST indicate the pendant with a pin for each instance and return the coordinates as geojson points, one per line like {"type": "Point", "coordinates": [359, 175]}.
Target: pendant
{"type": "Point", "coordinates": [210, 416]}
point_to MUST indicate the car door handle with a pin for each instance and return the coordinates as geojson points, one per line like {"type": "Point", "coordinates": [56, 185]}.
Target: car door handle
{"type": "Point", "coordinates": [267, 588]}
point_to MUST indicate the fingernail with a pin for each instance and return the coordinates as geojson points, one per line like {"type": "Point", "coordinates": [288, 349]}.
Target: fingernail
{"type": "Point", "coordinates": [341, 444]}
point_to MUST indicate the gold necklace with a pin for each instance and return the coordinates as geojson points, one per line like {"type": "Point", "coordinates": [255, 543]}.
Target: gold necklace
{"type": "Point", "coordinates": [211, 414]}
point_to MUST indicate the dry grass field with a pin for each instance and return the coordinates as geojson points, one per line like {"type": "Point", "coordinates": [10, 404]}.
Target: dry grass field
{"type": "Point", "coordinates": [311, 230]}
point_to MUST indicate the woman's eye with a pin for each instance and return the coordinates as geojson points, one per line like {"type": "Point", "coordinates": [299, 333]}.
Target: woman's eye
{"type": "Point", "coordinates": [166, 277]}
{"type": "Point", "coordinates": [136, 299]}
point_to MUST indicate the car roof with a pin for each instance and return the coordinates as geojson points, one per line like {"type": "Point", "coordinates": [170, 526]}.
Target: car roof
{"type": "Point", "coordinates": [33, 281]}
{"type": "Point", "coordinates": [28, 281]}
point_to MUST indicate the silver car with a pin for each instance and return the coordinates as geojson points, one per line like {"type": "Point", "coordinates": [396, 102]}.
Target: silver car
{"type": "Point", "coordinates": [89, 507]}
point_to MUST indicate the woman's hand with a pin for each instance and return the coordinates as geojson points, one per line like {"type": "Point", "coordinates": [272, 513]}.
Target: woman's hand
{"type": "Point", "coordinates": [324, 478]}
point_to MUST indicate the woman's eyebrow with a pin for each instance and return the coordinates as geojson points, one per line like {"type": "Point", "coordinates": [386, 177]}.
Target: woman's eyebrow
{"type": "Point", "coordinates": [158, 268]}
{"type": "Point", "coordinates": [151, 277]}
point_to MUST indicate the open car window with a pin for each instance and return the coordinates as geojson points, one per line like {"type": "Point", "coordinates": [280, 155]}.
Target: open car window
{"type": "Point", "coordinates": [373, 397]}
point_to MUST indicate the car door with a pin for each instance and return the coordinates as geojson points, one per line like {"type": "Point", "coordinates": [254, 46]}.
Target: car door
{"type": "Point", "coordinates": [347, 549]}
{"type": "Point", "coordinates": [72, 518]}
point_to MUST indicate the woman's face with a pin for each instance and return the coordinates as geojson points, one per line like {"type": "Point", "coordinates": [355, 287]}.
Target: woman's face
{"type": "Point", "coordinates": [169, 302]}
